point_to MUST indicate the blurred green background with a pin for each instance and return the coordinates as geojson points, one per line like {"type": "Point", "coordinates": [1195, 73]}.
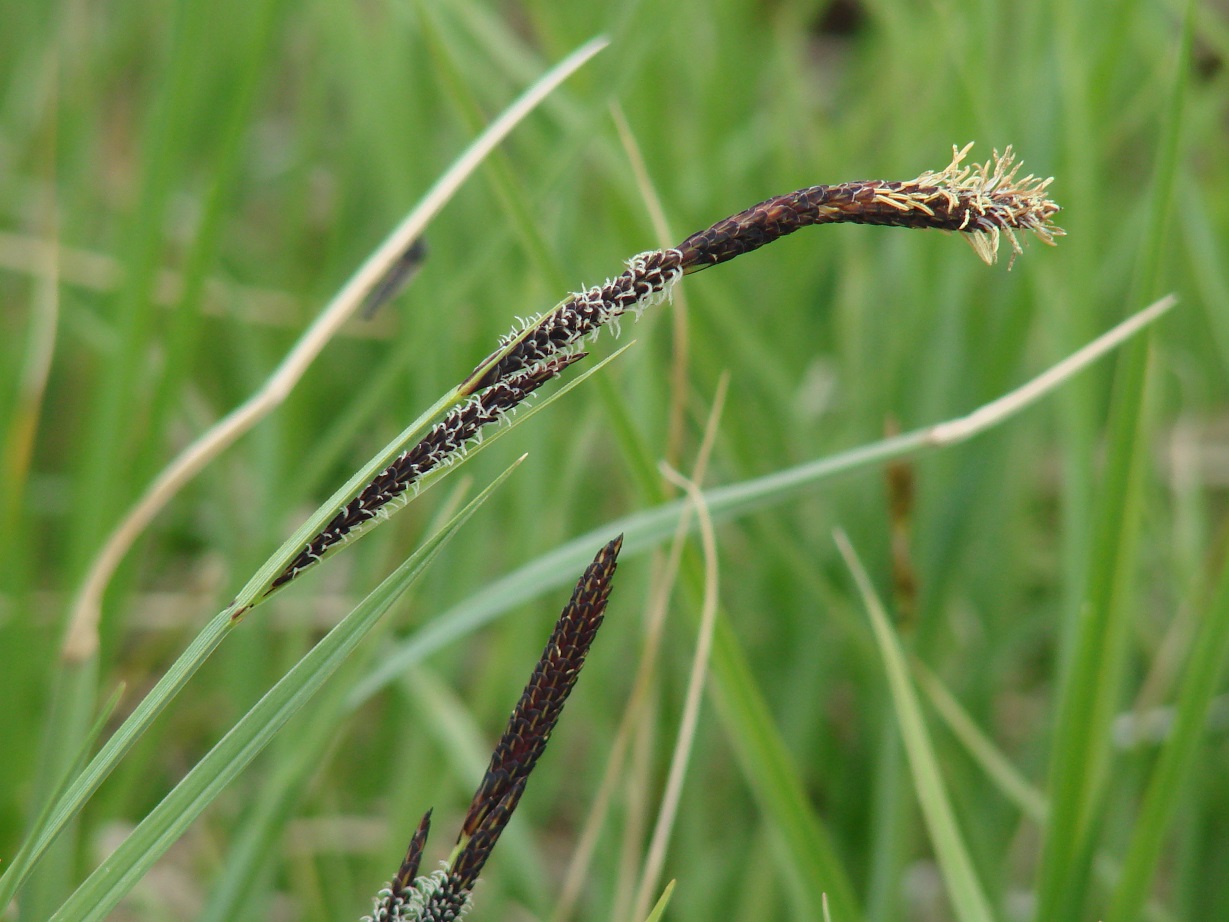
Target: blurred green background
{"type": "Point", "coordinates": [183, 185]}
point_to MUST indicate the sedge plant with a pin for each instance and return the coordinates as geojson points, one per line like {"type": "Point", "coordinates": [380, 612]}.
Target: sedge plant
{"type": "Point", "coordinates": [986, 204]}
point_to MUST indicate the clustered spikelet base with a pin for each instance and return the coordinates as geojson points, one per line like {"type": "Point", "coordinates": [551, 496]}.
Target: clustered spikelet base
{"type": "Point", "coordinates": [446, 894]}
{"type": "Point", "coordinates": [433, 896]}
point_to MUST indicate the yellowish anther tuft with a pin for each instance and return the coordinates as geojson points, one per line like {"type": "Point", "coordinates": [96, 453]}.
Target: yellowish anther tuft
{"type": "Point", "coordinates": [997, 200]}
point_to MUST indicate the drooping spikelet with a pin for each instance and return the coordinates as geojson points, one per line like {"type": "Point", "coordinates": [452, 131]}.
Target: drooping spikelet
{"type": "Point", "coordinates": [981, 202]}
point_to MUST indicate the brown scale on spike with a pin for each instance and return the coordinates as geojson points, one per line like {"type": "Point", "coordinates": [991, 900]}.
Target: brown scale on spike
{"type": "Point", "coordinates": [648, 280]}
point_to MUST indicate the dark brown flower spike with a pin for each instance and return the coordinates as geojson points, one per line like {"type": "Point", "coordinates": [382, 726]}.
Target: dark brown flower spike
{"type": "Point", "coordinates": [444, 895]}
{"type": "Point", "coordinates": [981, 202]}
{"type": "Point", "coordinates": [529, 728]}
{"type": "Point", "coordinates": [447, 441]}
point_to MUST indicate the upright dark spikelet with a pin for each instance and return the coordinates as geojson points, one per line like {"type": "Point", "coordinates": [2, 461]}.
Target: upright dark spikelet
{"type": "Point", "coordinates": [445, 442]}
{"type": "Point", "coordinates": [981, 202]}
{"type": "Point", "coordinates": [444, 895]}
{"type": "Point", "coordinates": [529, 728]}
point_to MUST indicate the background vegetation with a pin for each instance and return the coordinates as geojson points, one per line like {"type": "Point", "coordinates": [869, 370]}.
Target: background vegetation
{"type": "Point", "coordinates": [213, 172]}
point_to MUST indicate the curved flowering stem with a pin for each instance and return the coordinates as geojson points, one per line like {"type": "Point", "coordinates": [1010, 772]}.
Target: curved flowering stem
{"type": "Point", "coordinates": [445, 894]}
{"type": "Point", "coordinates": [982, 202]}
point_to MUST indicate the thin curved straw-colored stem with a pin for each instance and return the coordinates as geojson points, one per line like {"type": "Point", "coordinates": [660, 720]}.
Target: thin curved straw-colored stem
{"type": "Point", "coordinates": [18, 439]}
{"type": "Point", "coordinates": [655, 857]}
{"type": "Point", "coordinates": [994, 412]}
{"type": "Point", "coordinates": [680, 310]}
{"type": "Point", "coordinates": [582, 854]}
{"type": "Point", "coordinates": [965, 892]}
{"type": "Point", "coordinates": [82, 638]}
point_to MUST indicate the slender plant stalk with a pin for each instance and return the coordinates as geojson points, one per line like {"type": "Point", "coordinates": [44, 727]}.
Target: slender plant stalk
{"type": "Point", "coordinates": [655, 856]}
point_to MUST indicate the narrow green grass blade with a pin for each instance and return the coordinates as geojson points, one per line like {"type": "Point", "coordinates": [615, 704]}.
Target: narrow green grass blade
{"type": "Point", "coordinates": [1091, 686]}
{"type": "Point", "coordinates": [1166, 787]}
{"type": "Point", "coordinates": [103, 889]}
{"type": "Point", "coordinates": [255, 845]}
{"type": "Point", "coordinates": [235, 125]}
{"type": "Point", "coordinates": [120, 742]}
{"type": "Point", "coordinates": [162, 152]}
{"type": "Point", "coordinates": [1014, 786]}
{"type": "Point", "coordinates": [1091, 682]}
{"type": "Point", "coordinates": [964, 889]}
{"type": "Point", "coordinates": [663, 901]}
{"type": "Point", "coordinates": [1006, 777]}
{"type": "Point", "coordinates": [891, 813]}
{"type": "Point", "coordinates": [22, 861]}
{"type": "Point", "coordinates": [1203, 247]}
{"type": "Point", "coordinates": [769, 768]}
{"type": "Point", "coordinates": [116, 403]}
